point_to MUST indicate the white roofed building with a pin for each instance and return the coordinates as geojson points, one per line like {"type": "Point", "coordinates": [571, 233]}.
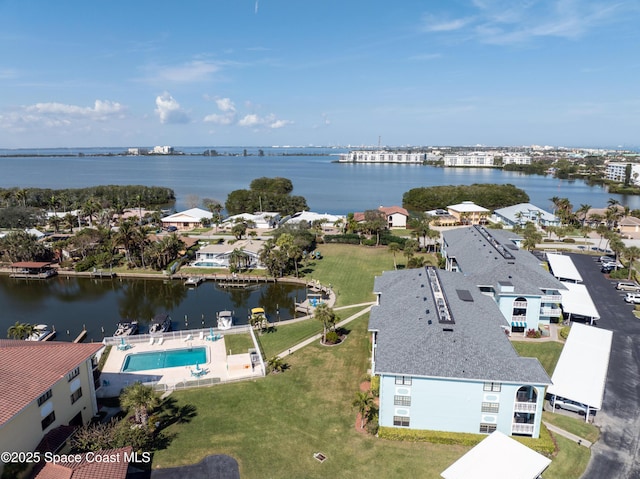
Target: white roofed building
{"type": "Point", "coordinates": [188, 219]}
{"type": "Point", "coordinates": [262, 220]}
{"type": "Point", "coordinates": [469, 213]}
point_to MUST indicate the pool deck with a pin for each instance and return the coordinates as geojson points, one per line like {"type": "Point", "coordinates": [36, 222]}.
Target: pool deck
{"type": "Point", "coordinates": [219, 366]}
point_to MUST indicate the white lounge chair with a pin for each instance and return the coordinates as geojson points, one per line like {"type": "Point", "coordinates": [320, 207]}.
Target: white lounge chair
{"type": "Point", "coordinates": [160, 341]}
{"type": "Point", "coordinates": [152, 340]}
{"type": "Point", "coordinates": [188, 338]}
{"type": "Point", "coordinates": [201, 335]}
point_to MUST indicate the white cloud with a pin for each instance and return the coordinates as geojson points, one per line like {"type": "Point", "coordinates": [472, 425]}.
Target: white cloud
{"type": "Point", "coordinates": [226, 119]}
{"type": "Point", "coordinates": [225, 104]}
{"type": "Point", "coordinates": [432, 24]}
{"type": "Point", "coordinates": [101, 110]}
{"type": "Point", "coordinates": [191, 72]}
{"type": "Point", "coordinates": [169, 110]}
{"type": "Point", "coordinates": [270, 121]}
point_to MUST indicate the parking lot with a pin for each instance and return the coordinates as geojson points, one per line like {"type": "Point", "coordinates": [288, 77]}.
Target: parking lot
{"type": "Point", "coordinates": [617, 453]}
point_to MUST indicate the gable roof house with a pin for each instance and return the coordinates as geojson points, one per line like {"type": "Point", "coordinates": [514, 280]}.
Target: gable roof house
{"type": "Point", "coordinates": [113, 464]}
{"type": "Point", "coordinates": [396, 216]}
{"type": "Point", "coordinates": [44, 385]}
{"type": "Point", "coordinates": [444, 360]}
{"type": "Point", "coordinates": [528, 296]}
{"type": "Point", "coordinates": [469, 213]}
{"type": "Point", "coordinates": [188, 219]}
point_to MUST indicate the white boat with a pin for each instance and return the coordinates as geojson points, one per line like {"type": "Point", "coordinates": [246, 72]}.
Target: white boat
{"type": "Point", "coordinates": [161, 323]}
{"type": "Point", "coordinates": [193, 281]}
{"type": "Point", "coordinates": [41, 332]}
{"type": "Point", "coordinates": [126, 328]}
{"type": "Point", "coordinates": [225, 319]}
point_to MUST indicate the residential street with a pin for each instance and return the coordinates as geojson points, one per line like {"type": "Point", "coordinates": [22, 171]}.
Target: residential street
{"type": "Point", "coordinates": [616, 454]}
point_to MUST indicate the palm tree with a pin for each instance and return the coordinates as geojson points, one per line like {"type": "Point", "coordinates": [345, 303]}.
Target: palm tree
{"type": "Point", "coordinates": [141, 399]}
{"type": "Point", "coordinates": [582, 211]}
{"type": "Point", "coordinates": [276, 364]}
{"type": "Point", "coordinates": [394, 248]}
{"type": "Point", "coordinates": [632, 253]}
{"type": "Point", "coordinates": [20, 330]}
{"type": "Point", "coordinates": [328, 318]}
{"type": "Point", "coordinates": [363, 402]}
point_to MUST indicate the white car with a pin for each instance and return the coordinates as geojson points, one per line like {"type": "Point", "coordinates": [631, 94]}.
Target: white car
{"type": "Point", "coordinates": [612, 264]}
{"type": "Point", "coordinates": [632, 298]}
{"type": "Point", "coordinates": [569, 405]}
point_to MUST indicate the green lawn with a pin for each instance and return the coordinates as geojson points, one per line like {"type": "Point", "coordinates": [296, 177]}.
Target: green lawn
{"type": "Point", "coordinates": [237, 343]}
{"type": "Point", "coordinates": [570, 462]}
{"type": "Point", "coordinates": [285, 336]}
{"type": "Point", "coordinates": [574, 425]}
{"type": "Point", "coordinates": [547, 352]}
{"type": "Point", "coordinates": [272, 426]}
{"type": "Point", "coordinates": [351, 269]}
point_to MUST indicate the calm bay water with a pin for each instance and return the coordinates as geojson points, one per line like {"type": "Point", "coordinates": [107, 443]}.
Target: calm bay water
{"type": "Point", "coordinates": [71, 303]}
{"type": "Point", "coordinates": [328, 187]}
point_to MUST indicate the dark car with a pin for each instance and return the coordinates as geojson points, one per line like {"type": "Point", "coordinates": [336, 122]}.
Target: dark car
{"type": "Point", "coordinates": [606, 269]}
{"type": "Point", "coordinates": [172, 229]}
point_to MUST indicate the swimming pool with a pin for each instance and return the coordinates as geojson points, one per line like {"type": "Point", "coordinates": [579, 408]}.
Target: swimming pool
{"type": "Point", "coordinates": [164, 359]}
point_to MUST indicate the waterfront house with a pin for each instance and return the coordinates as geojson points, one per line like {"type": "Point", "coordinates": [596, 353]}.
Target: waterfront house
{"type": "Point", "coordinates": [188, 219]}
{"type": "Point", "coordinates": [468, 213]}
{"type": "Point", "coordinates": [218, 255]}
{"type": "Point", "coordinates": [396, 216]}
{"type": "Point", "coordinates": [629, 226]}
{"type": "Point", "coordinates": [527, 294]}
{"type": "Point", "coordinates": [444, 361]}
{"type": "Point", "coordinates": [44, 385]}
{"type": "Point", "coordinates": [523, 213]}
{"type": "Point", "coordinates": [261, 219]}
{"type": "Point", "coordinates": [310, 217]}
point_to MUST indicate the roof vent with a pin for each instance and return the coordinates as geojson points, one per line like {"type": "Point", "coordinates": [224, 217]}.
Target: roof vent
{"type": "Point", "coordinates": [448, 330]}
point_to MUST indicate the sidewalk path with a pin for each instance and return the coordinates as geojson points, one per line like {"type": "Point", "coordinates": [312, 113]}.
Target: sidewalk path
{"type": "Point", "coordinates": [317, 337]}
{"type": "Point", "coordinates": [567, 434]}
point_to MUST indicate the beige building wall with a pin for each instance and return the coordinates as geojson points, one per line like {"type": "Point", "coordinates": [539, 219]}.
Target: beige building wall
{"type": "Point", "coordinates": [23, 432]}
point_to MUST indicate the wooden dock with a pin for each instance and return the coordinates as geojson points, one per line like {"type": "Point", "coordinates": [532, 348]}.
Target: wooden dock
{"type": "Point", "coordinates": [103, 274]}
{"type": "Point", "coordinates": [81, 336]}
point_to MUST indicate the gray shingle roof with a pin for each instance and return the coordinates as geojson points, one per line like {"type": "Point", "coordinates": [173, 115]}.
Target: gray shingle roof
{"type": "Point", "coordinates": [476, 349]}
{"type": "Point", "coordinates": [479, 260]}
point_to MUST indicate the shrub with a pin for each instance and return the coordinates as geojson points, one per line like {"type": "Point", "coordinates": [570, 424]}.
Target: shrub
{"type": "Point", "coordinates": [347, 238]}
{"type": "Point", "coordinates": [568, 240]}
{"type": "Point", "coordinates": [372, 425]}
{"type": "Point", "coordinates": [332, 337]}
{"type": "Point", "coordinates": [369, 242]}
{"type": "Point", "coordinates": [375, 386]}
{"type": "Point", "coordinates": [564, 332]}
{"type": "Point", "coordinates": [622, 273]}
{"type": "Point", "coordinates": [533, 333]}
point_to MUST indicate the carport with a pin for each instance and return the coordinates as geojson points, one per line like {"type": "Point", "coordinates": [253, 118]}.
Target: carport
{"type": "Point", "coordinates": [576, 301]}
{"type": "Point", "coordinates": [581, 372]}
{"type": "Point", "coordinates": [562, 267]}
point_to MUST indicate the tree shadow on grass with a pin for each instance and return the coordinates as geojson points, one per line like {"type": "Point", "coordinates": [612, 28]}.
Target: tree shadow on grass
{"type": "Point", "coordinates": [171, 413]}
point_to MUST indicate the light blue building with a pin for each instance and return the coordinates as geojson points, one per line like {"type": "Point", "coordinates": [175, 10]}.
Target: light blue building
{"type": "Point", "coordinates": [527, 294]}
{"type": "Point", "coordinates": [444, 360]}
{"type": "Point", "coordinates": [523, 213]}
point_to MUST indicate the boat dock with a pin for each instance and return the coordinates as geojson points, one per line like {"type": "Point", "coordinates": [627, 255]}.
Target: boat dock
{"type": "Point", "coordinates": [103, 274]}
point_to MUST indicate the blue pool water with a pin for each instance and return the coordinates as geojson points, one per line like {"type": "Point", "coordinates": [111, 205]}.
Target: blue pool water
{"type": "Point", "coordinates": [165, 359]}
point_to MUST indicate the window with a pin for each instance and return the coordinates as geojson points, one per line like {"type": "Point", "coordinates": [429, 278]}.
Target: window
{"type": "Point", "coordinates": [403, 380]}
{"type": "Point", "coordinates": [493, 387]}
{"type": "Point", "coordinates": [73, 374]}
{"type": "Point", "coordinates": [47, 421]}
{"type": "Point", "coordinates": [401, 421]}
{"type": "Point", "coordinates": [76, 395]}
{"type": "Point", "coordinates": [490, 407]}
{"type": "Point", "coordinates": [402, 400]}
{"type": "Point", "coordinates": [42, 399]}
{"type": "Point", "coordinates": [487, 428]}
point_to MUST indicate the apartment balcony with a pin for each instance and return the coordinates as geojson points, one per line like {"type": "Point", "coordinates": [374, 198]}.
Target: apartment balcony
{"type": "Point", "coordinates": [522, 428]}
{"type": "Point", "coordinates": [520, 304]}
{"type": "Point", "coordinates": [551, 298]}
{"type": "Point", "coordinates": [519, 318]}
{"type": "Point", "coordinates": [551, 312]}
{"type": "Point", "coordinates": [527, 407]}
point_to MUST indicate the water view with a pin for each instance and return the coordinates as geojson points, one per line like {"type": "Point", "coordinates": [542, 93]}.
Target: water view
{"type": "Point", "coordinates": [71, 303]}
{"type": "Point", "coordinates": [328, 187]}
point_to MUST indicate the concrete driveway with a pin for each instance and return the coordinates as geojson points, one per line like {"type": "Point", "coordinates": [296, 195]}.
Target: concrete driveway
{"type": "Point", "coordinates": [616, 454]}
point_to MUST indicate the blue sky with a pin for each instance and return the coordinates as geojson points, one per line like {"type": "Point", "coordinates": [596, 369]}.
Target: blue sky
{"type": "Point", "coordinates": [292, 72]}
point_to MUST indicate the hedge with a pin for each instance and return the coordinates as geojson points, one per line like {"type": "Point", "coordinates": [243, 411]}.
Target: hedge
{"type": "Point", "coordinates": [544, 444]}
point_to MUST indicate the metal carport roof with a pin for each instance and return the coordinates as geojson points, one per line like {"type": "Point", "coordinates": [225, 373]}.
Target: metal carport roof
{"type": "Point", "coordinates": [581, 372]}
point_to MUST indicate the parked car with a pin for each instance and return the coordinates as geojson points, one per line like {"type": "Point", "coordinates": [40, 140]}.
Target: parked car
{"type": "Point", "coordinates": [612, 264]}
{"type": "Point", "coordinates": [628, 286]}
{"type": "Point", "coordinates": [632, 298]}
{"type": "Point", "coordinates": [606, 269]}
{"type": "Point", "coordinates": [172, 229]}
{"type": "Point", "coordinates": [606, 259]}
{"type": "Point", "coordinates": [568, 405]}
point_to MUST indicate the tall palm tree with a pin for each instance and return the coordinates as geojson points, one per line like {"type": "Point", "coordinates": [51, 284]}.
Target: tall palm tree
{"type": "Point", "coordinates": [141, 399]}
{"type": "Point", "coordinates": [582, 211]}
{"type": "Point", "coordinates": [394, 248]}
{"type": "Point", "coordinates": [363, 402]}
{"type": "Point", "coordinates": [632, 253]}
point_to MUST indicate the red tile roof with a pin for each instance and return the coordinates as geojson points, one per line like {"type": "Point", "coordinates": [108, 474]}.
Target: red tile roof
{"type": "Point", "coordinates": [387, 210]}
{"type": "Point", "coordinates": [113, 466]}
{"type": "Point", "coordinates": [30, 368]}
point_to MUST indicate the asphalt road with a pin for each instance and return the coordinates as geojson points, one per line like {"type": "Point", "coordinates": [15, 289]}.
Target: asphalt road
{"type": "Point", "coordinates": [617, 453]}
